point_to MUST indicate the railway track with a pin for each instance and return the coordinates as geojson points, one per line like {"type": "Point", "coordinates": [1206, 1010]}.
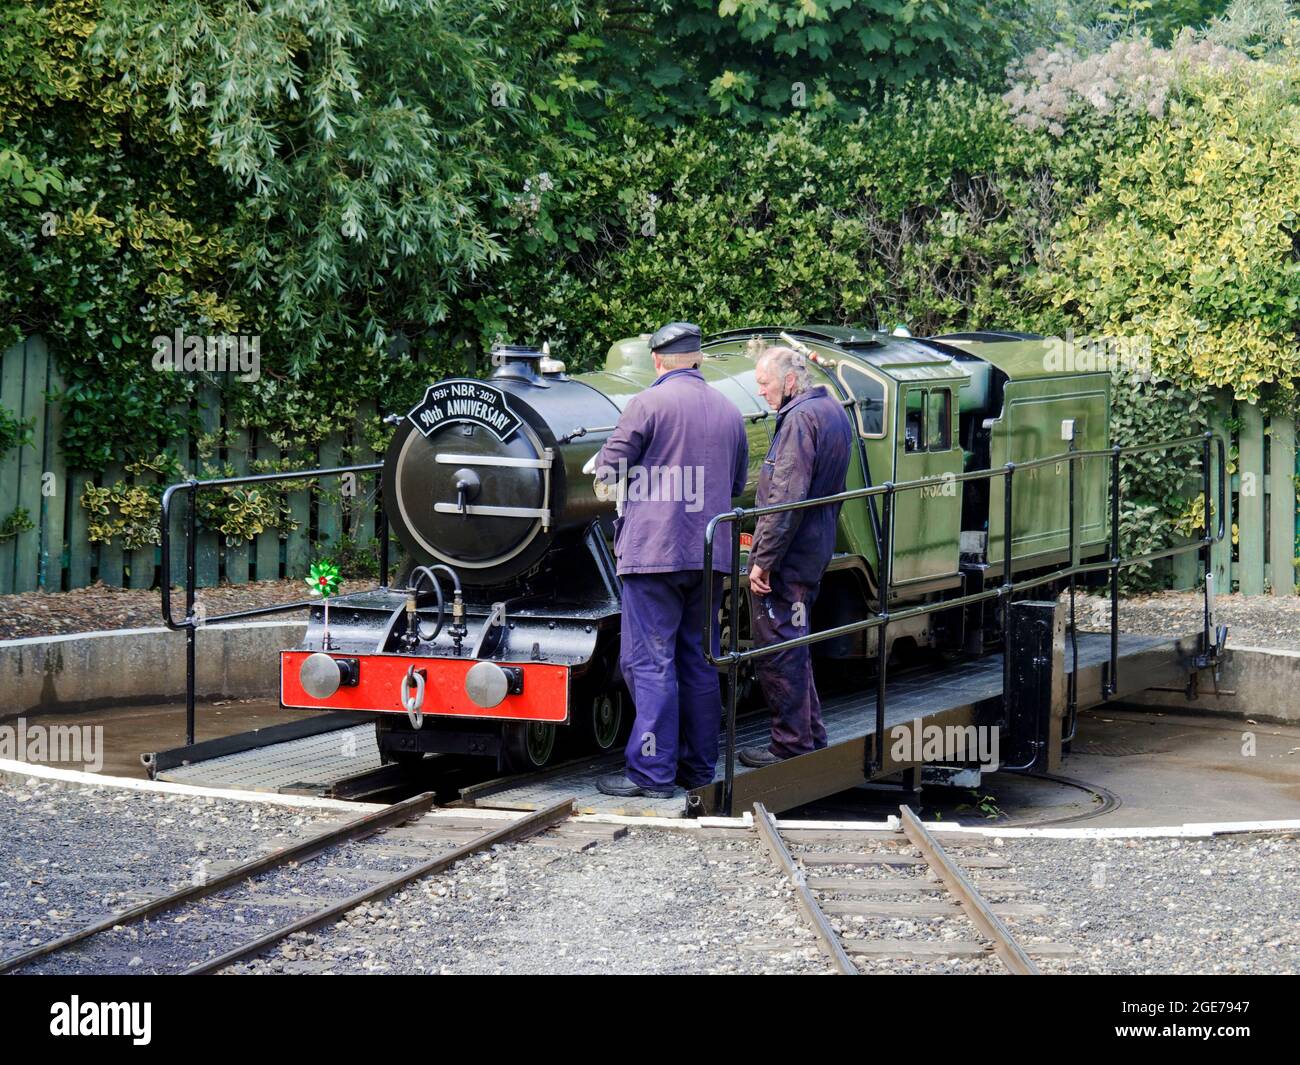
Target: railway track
{"type": "Point", "coordinates": [891, 884]}
{"type": "Point", "coordinates": [366, 859]}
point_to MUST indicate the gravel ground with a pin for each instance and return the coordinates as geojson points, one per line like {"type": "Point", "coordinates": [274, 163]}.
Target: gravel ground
{"type": "Point", "coordinates": [1221, 905]}
{"type": "Point", "coordinates": [1252, 620]}
{"type": "Point", "coordinates": [653, 901]}
{"type": "Point", "coordinates": [72, 854]}
{"type": "Point", "coordinates": [663, 902]}
{"type": "Point", "coordinates": [100, 607]}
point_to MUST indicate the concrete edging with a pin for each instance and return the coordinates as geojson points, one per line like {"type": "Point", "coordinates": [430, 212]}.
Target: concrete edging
{"type": "Point", "coordinates": [1264, 683]}
{"type": "Point", "coordinates": [89, 670]}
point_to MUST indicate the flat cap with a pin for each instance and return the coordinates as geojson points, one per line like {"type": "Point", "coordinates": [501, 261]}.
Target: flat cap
{"type": "Point", "coordinates": [676, 338]}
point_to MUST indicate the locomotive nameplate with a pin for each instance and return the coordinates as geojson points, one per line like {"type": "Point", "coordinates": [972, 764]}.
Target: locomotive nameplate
{"type": "Point", "coordinates": [465, 401]}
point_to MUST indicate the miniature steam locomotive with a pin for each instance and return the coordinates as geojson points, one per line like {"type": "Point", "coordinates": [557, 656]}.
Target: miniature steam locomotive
{"type": "Point", "coordinates": [500, 636]}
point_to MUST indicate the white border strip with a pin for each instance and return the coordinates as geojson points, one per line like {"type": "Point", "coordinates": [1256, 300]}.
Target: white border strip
{"type": "Point", "coordinates": [15, 770]}
{"type": "Point", "coordinates": [1194, 830]}
{"type": "Point", "coordinates": [19, 771]}
{"type": "Point", "coordinates": [23, 770]}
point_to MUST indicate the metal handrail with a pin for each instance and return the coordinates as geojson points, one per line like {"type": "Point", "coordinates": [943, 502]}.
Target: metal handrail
{"type": "Point", "coordinates": [191, 622]}
{"type": "Point", "coordinates": [733, 658]}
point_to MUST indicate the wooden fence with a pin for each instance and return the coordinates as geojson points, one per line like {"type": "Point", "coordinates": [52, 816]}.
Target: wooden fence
{"type": "Point", "coordinates": [56, 552]}
{"type": "Point", "coordinates": [1263, 504]}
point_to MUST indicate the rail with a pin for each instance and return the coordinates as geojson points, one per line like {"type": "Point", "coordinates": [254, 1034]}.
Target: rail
{"type": "Point", "coordinates": [192, 622]}
{"type": "Point", "coordinates": [733, 658]}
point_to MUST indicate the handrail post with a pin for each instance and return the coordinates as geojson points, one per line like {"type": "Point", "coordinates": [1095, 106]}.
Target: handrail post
{"type": "Point", "coordinates": [191, 633]}
{"type": "Point", "coordinates": [1112, 682]}
{"type": "Point", "coordinates": [1071, 686]}
{"type": "Point", "coordinates": [882, 633]}
{"type": "Point", "coordinates": [733, 666]}
{"type": "Point", "coordinates": [710, 607]}
{"type": "Point", "coordinates": [1007, 538]}
{"type": "Point", "coordinates": [383, 531]}
{"type": "Point", "coordinates": [165, 545]}
{"type": "Point", "coordinates": [1206, 550]}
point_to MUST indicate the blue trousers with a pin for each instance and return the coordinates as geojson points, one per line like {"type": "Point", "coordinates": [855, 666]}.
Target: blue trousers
{"type": "Point", "coordinates": [787, 676]}
{"type": "Point", "coordinates": [676, 692]}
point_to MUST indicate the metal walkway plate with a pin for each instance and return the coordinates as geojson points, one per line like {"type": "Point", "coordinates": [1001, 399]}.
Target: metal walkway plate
{"type": "Point", "coordinates": [924, 693]}
{"type": "Point", "coordinates": [535, 791]}
{"type": "Point", "coordinates": [313, 761]}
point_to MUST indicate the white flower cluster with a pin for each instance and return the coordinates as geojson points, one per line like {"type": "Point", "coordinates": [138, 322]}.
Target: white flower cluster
{"type": "Point", "coordinates": [1049, 88]}
{"type": "Point", "coordinates": [530, 203]}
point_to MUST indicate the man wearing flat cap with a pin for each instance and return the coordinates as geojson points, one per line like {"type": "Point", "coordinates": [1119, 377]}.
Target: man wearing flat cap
{"type": "Point", "coordinates": [682, 449]}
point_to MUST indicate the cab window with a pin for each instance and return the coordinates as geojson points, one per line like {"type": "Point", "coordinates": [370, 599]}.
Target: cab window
{"type": "Point", "coordinates": [914, 421]}
{"type": "Point", "coordinates": [938, 420]}
{"type": "Point", "coordinates": [869, 399]}
{"type": "Point", "coordinates": [927, 420]}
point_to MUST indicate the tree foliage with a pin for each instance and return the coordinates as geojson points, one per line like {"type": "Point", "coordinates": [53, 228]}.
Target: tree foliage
{"type": "Point", "coordinates": [668, 61]}
{"type": "Point", "coordinates": [128, 239]}
{"type": "Point", "coordinates": [919, 211]}
{"type": "Point", "coordinates": [380, 188]}
{"type": "Point", "coordinates": [366, 143]}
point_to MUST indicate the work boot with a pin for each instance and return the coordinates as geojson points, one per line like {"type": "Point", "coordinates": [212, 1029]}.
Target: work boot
{"type": "Point", "coordinates": [759, 757]}
{"type": "Point", "coordinates": [619, 784]}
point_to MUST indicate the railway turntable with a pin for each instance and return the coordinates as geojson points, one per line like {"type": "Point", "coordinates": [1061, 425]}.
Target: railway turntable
{"type": "Point", "coordinates": [959, 696]}
{"type": "Point", "coordinates": [983, 488]}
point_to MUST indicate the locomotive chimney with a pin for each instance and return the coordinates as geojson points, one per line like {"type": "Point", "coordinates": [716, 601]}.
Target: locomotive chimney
{"type": "Point", "coordinates": [516, 360]}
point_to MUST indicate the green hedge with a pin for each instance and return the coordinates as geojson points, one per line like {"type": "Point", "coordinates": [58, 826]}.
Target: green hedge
{"type": "Point", "coordinates": [429, 187]}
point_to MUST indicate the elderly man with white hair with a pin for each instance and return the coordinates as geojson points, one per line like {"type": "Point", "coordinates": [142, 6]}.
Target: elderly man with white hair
{"type": "Point", "coordinates": [809, 458]}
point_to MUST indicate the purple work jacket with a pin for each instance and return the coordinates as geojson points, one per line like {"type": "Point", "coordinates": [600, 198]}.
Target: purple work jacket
{"type": "Point", "coordinates": [682, 447]}
{"type": "Point", "coordinates": [809, 457]}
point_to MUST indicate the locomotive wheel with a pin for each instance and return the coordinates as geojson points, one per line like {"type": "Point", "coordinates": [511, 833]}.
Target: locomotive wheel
{"type": "Point", "coordinates": [525, 748]}
{"type": "Point", "coordinates": [606, 719]}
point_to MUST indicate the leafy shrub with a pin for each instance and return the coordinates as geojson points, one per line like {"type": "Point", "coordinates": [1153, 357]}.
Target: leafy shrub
{"type": "Point", "coordinates": [17, 522]}
{"type": "Point", "coordinates": [925, 210]}
{"type": "Point", "coordinates": [1190, 241]}
{"type": "Point", "coordinates": [14, 431]}
{"type": "Point", "coordinates": [1157, 491]}
{"type": "Point", "coordinates": [242, 512]}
